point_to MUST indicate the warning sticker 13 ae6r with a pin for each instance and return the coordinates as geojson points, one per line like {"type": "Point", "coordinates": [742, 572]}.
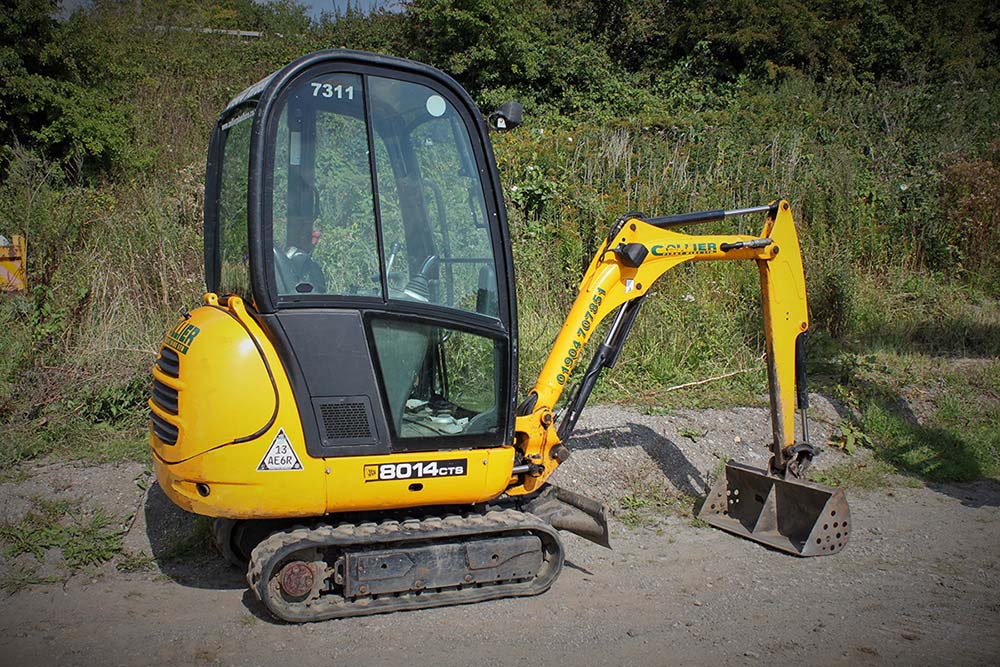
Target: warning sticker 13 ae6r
{"type": "Point", "coordinates": [416, 470]}
{"type": "Point", "coordinates": [280, 455]}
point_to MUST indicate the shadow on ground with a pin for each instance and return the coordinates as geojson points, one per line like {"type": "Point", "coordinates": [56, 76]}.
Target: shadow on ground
{"type": "Point", "coordinates": [181, 545]}
{"type": "Point", "coordinates": [920, 446]}
{"type": "Point", "coordinates": [258, 610]}
{"type": "Point", "coordinates": [980, 493]}
{"type": "Point", "coordinates": [668, 456]}
{"type": "Point", "coordinates": [946, 337]}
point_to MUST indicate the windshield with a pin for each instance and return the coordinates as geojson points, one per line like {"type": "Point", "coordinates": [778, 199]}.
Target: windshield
{"type": "Point", "coordinates": [376, 195]}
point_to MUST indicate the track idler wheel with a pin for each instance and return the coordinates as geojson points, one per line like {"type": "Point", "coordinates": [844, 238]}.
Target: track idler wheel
{"type": "Point", "coordinates": [296, 580]}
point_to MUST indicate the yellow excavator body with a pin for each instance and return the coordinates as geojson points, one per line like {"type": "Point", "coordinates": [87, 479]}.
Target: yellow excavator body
{"type": "Point", "coordinates": [235, 419]}
{"type": "Point", "coordinates": [344, 401]}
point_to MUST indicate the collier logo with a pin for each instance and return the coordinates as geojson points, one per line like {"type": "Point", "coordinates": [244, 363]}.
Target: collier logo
{"type": "Point", "coordinates": [181, 338]}
{"type": "Point", "coordinates": [683, 249]}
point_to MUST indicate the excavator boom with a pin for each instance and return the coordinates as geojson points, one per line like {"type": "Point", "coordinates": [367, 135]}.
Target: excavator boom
{"type": "Point", "coordinates": [778, 506]}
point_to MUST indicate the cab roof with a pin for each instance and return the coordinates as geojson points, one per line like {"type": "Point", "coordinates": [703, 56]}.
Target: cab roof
{"type": "Point", "coordinates": [254, 92]}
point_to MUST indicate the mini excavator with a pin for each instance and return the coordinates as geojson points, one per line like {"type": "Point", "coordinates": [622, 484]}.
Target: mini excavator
{"type": "Point", "coordinates": [344, 400]}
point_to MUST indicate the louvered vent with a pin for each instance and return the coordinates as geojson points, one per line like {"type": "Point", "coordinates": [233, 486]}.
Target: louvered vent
{"type": "Point", "coordinates": [169, 362]}
{"type": "Point", "coordinates": [163, 429]}
{"type": "Point", "coordinates": [165, 397]}
{"type": "Point", "coordinates": [345, 421]}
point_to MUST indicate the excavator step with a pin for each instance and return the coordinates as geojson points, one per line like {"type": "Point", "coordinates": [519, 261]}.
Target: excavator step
{"type": "Point", "coordinates": [791, 515]}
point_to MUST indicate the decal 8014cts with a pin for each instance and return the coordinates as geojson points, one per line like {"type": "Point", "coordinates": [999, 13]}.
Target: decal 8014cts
{"type": "Point", "coordinates": [416, 470]}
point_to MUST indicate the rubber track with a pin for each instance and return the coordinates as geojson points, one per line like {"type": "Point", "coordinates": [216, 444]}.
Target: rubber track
{"type": "Point", "coordinates": [276, 549]}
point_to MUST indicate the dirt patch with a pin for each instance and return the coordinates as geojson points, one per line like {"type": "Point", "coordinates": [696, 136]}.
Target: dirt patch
{"type": "Point", "coordinates": [115, 489]}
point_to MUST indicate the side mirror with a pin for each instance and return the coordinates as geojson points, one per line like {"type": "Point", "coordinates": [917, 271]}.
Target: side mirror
{"type": "Point", "coordinates": [507, 117]}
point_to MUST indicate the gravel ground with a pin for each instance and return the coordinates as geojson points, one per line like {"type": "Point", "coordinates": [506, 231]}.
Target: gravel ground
{"type": "Point", "coordinates": [618, 451]}
{"type": "Point", "coordinates": [918, 583]}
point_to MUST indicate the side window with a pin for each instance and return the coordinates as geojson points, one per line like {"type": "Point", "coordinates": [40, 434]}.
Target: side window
{"type": "Point", "coordinates": [323, 214]}
{"type": "Point", "coordinates": [434, 226]}
{"type": "Point", "coordinates": [454, 198]}
{"type": "Point", "coordinates": [438, 381]}
{"type": "Point", "coordinates": [235, 272]}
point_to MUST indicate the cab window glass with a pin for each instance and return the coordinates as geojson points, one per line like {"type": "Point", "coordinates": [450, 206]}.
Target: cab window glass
{"type": "Point", "coordinates": [436, 235]}
{"type": "Point", "coordinates": [323, 213]}
{"type": "Point", "coordinates": [232, 211]}
{"type": "Point", "coordinates": [438, 381]}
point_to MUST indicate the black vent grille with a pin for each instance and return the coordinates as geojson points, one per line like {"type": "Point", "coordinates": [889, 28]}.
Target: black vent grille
{"type": "Point", "coordinates": [342, 421]}
{"type": "Point", "coordinates": [165, 397]}
{"type": "Point", "coordinates": [163, 429]}
{"type": "Point", "coordinates": [169, 362]}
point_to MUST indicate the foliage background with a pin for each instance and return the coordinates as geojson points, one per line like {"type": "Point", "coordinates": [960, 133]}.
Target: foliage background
{"type": "Point", "coordinates": [878, 119]}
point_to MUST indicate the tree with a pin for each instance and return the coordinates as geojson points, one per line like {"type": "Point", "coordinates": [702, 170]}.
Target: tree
{"type": "Point", "coordinates": [57, 98]}
{"type": "Point", "coordinates": [500, 49]}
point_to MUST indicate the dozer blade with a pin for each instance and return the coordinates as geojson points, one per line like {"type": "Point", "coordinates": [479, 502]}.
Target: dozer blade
{"type": "Point", "coordinates": [572, 512]}
{"type": "Point", "coordinates": [796, 516]}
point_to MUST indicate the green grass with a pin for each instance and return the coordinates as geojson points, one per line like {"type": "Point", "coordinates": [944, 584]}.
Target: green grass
{"type": "Point", "coordinates": [20, 578]}
{"type": "Point", "coordinates": [83, 537]}
{"type": "Point", "coordinates": [918, 370]}
{"type": "Point", "coordinates": [69, 438]}
{"type": "Point", "coordinates": [748, 391]}
{"type": "Point", "coordinates": [13, 475]}
{"type": "Point", "coordinates": [648, 501]}
{"type": "Point", "coordinates": [936, 418]}
{"type": "Point", "coordinates": [692, 433]}
{"type": "Point", "coordinates": [109, 267]}
{"type": "Point", "coordinates": [134, 561]}
{"type": "Point", "coordinates": [38, 531]}
{"type": "Point", "coordinates": [871, 473]}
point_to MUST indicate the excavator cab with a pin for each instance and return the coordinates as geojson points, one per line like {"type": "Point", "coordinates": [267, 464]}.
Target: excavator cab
{"type": "Point", "coordinates": [376, 255]}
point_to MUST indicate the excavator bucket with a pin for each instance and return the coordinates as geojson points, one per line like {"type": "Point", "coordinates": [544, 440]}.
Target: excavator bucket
{"type": "Point", "coordinates": [796, 516]}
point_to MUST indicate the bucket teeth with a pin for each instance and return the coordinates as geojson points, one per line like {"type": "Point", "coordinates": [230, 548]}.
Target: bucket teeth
{"type": "Point", "coordinates": [795, 516]}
